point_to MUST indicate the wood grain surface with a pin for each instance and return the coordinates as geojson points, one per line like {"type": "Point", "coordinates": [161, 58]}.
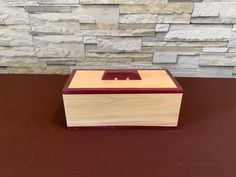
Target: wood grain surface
{"type": "Point", "coordinates": [149, 79]}
{"type": "Point", "coordinates": [122, 109]}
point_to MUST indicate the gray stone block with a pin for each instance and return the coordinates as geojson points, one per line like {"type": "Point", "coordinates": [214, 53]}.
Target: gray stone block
{"type": "Point", "coordinates": [203, 72]}
{"type": "Point", "coordinates": [184, 62]}
{"type": "Point", "coordinates": [161, 57]}
{"type": "Point", "coordinates": [105, 16]}
{"type": "Point", "coordinates": [151, 42]}
{"type": "Point", "coordinates": [18, 3]}
{"type": "Point", "coordinates": [232, 41]}
{"type": "Point", "coordinates": [214, 12]}
{"type": "Point", "coordinates": [58, 2]}
{"type": "Point", "coordinates": [215, 50]}
{"type": "Point", "coordinates": [185, 0]}
{"type": "Point", "coordinates": [13, 16]}
{"type": "Point", "coordinates": [17, 52]}
{"type": "Point", "coordinates": [59, 46]}
{"type": "Point", "coordinates": [37, 9]}
{"type": "Point", "coordinates": [60, 61]}
{"type": "Point", "coordinates": [199, 33]}
{"type": "Point", "coordinates": [54, 23]}
{"type": "Point", "coordinates": [218, 60]}
{"type": "Point", "coordinates": [11, 37]}
{"type": "Point", "coordinates": [188, 61]}
{"type": "Point", "coordinates": [162, 28]}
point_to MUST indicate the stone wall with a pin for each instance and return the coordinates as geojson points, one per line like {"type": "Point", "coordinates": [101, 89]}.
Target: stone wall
{"type": "Point", "coordinates": [189, 37]}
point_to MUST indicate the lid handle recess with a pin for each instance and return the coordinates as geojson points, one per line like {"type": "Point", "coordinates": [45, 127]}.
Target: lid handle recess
{"type": "Point", "coordinates": [121, 74]}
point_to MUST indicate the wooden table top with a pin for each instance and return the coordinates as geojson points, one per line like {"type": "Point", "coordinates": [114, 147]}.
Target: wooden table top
{"type": "Point", "coordinates": [35, 143]}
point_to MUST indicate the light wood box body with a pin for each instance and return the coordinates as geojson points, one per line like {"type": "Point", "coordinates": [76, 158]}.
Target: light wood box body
{"type": "Point", "coordinates": [155, 100]}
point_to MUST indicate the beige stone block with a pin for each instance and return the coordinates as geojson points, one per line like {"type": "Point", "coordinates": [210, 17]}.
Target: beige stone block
{"type": "Point", "coordinates": [138, 18]}
{"type": "Point", "coordinates": [119, 44]}
{"type": "Point", "coordinates": [174, 18]}
{"type": "Point", "coordinates": [21, 62]}
{"type": "Point", "coordinates": [39, 70]}
{"type": "Point", "coordinates": [123, 1]}
{"type": "Point", "coordinates": [170, 8]}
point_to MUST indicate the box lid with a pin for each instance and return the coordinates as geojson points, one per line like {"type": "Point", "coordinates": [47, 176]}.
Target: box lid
{"type": "Point", "coordinates": [117, 81]}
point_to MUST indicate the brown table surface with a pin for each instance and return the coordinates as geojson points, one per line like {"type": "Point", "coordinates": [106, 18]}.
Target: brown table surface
{"type": "Point", "coordinates": [35, 143]}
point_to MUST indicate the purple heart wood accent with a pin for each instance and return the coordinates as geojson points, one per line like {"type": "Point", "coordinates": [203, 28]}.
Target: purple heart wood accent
{"type": "Point", "coordinates": [115, 74]}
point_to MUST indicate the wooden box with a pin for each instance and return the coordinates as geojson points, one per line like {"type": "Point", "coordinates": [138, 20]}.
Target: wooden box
{"type": "Point", "coordinates": [122, 98]}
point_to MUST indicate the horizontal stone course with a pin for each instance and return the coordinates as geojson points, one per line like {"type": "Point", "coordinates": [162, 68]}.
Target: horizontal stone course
{"type": "Point", "coordinates": [58, 2]}
{"type": "Point", "coordinates": [199, 33]}
{"type": "Point", "coordinates": [138, 18]}
{"type": "Point", "coordinates": [18, 2]}
{"type": "Point", "coordinates": [21, 62]}
{"type": "Point", "coordinates": [203, 72]}
{"type": "Point", "coordinates": [123, 1]}
{"type": "Point", "coordinates": [178, 8]}
{"type": "Point", "coordinates": [218, 60]}
{"type": "Point", "coordinates": [153, 42]}
{"type": "Point", "coordinates": [183, 62]}
{"type": "Point", "coordinates": [215, 50]}
{"type": "Point", "coordinates": [214, 12]}
{"type": "Point", "coordinates": [39, 70]}
{"type": "Point", "coordinates": [117, 44]}
{"type": "Point", "coordinates": [37, 9]}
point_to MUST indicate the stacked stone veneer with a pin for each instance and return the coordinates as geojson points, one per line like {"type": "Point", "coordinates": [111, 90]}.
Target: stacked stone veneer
{"type": "Point", "coordinates": [189, 37]}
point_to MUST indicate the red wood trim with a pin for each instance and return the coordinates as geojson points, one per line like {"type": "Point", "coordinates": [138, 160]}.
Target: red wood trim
{"type": "Point", "coordinates": [99, 127]}
{"type": "Point", "coordinates": [66, 86]}
{"type": "Point", "coordinates": [121, 90]}
{"type": "Point", "coordinates": [174, 80]}
{"type": "Point", "coordinates": [67, 90]}
{"type": "Point", "coordinates": [118, 74]}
